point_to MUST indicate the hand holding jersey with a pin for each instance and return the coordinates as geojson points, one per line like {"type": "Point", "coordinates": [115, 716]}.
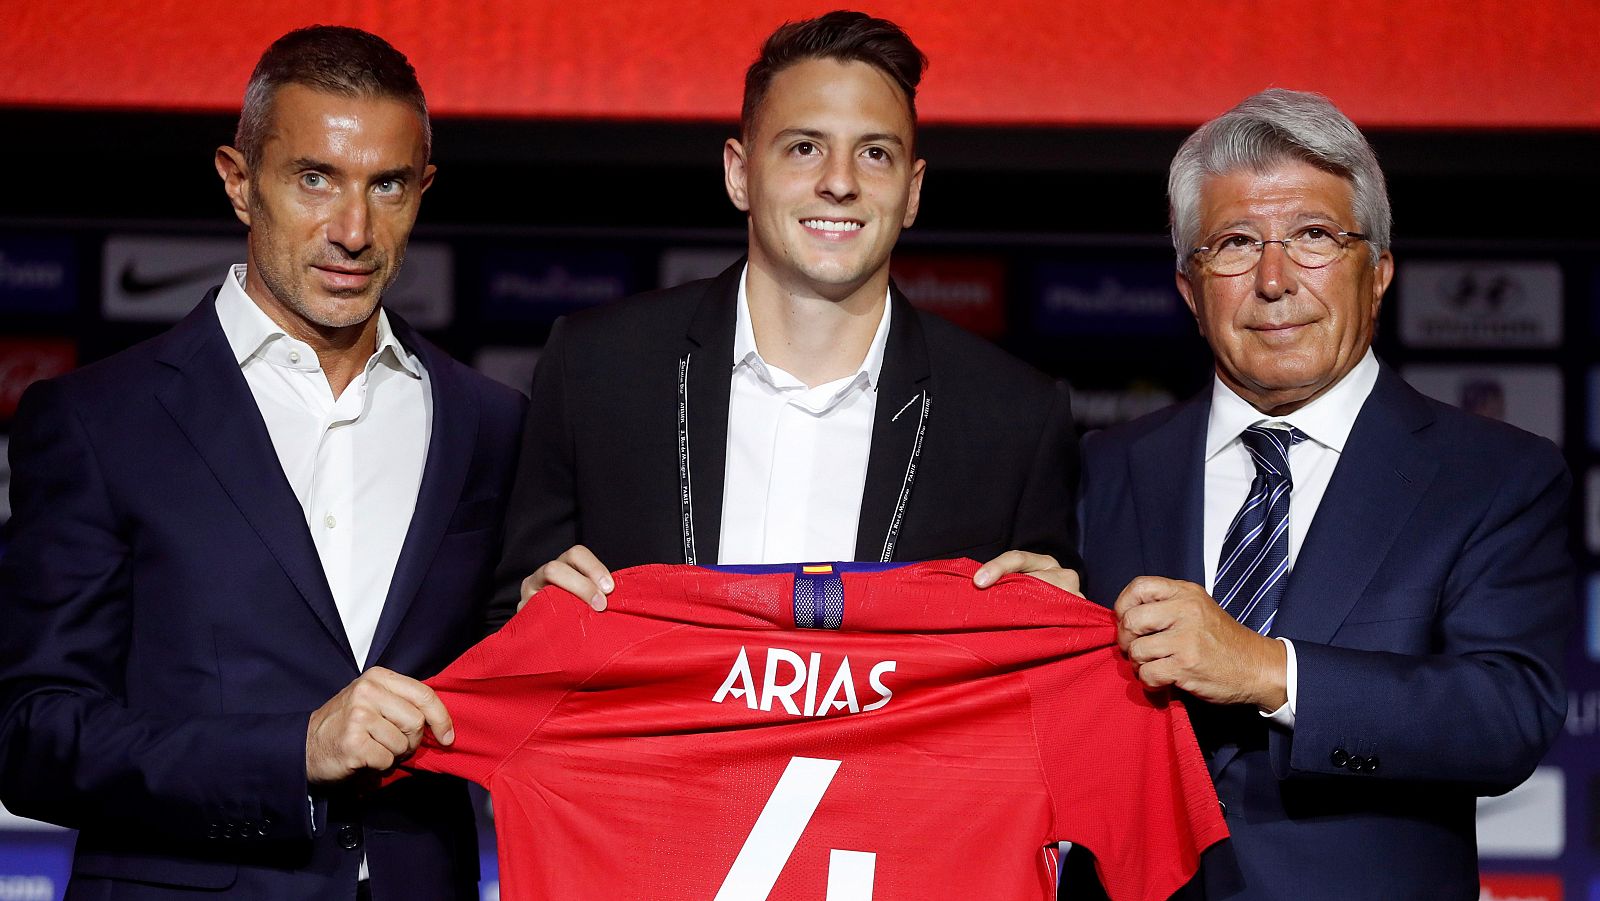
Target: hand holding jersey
{"type": "Point", "coordinates": [1176, 635]}
{"type": "Point", "coordinates": [374, 722]}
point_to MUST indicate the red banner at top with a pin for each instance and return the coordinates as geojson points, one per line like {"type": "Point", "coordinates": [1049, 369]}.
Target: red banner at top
{"type": "Point", "coordinates": [1424, 63]}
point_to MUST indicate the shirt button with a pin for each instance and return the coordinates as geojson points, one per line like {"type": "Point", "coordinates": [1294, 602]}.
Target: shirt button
{"type": "Point", "coordinates": [329, 521]}
{"type": "Point", "coordinates": [294, 356]}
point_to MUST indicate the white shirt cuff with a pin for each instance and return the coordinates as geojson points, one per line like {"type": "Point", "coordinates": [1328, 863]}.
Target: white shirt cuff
{"type": "Point", "coordinates": [1284, 716]}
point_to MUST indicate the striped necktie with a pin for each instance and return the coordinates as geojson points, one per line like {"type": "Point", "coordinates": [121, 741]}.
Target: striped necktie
{"type": "Point", "coordinates": [1255, 552]}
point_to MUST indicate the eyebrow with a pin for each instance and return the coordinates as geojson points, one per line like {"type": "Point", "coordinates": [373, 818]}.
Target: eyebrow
{"type": "Point", "coordinates": [1298, 219]}
{"type": "Point", "coordinates": [876, 137]}
{"type": "Point", "coordinates": [396, 173]}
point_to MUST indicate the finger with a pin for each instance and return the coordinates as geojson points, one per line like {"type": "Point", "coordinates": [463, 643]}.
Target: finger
{"type": "Point", "coordinates": [584, 561]}
{"type": "Point", "coordinates": [1069, 580]}
{"type": "Point", "coordinates": [562, 575]}
{"type": "Point", "coordinates": [410, 704]}
{"type": "Point", "coordinates": [1145, 590]}
{"type": "Point", "coordinates": [383, 742]}
{"type": "Point", "coordinates": [1149, 619]}
{"type": "Point", "coordinates": [1160, 673]}
{"type": "Point", "coordinates": [1148, 648]}
{"type": "Point", "coordinates": [1012, 562]}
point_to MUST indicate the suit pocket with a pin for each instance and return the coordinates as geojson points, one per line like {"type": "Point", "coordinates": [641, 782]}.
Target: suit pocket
{"type": "Point", "coordinates": [471, 516]}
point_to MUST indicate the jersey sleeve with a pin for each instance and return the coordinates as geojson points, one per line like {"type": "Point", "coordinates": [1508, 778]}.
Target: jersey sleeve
{"type": "Point", "coordinates": [502, 688]}
{"type": "Point", "coordinates": [1126, 776]}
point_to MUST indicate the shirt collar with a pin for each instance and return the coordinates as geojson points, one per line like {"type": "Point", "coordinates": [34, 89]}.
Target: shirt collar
{"type": "Point", "coordinates": [745, 352]}
{"type": "Point", "coordinates": [1326, 420]}
{"type": "Point", "coordinates": [251, 332]}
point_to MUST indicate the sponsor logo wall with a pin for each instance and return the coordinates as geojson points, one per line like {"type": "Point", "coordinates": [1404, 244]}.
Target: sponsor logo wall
{"type": "Point", "coordinates": [38, 274]}
{"type": "Point", "coordinates": [1594, 405]}
{"type": "Point", "coordinates": [1528, 397]}
{"type": "Point", "coordinates": [1105, 300]}
{"type": "Point", "coordinates": [24, 361]}
{"type": "Point", "coordinates": [1502, 337]}
{"type": "Point", "coordinates": [1480, 304]}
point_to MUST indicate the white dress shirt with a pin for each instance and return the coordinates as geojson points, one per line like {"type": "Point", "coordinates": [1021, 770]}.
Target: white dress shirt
{"type": "Point", "coordinates": [355, 462]}
{"type": "Point", "coordinates": [1326, 422]}
{"type": "Point", "coordinates": [797, 456]}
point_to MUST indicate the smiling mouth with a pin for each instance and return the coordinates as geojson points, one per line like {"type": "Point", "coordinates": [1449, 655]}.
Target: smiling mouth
{"type": "Point", "coordinates": [833, 225]}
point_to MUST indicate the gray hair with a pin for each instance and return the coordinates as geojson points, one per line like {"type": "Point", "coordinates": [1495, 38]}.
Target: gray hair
{"type": "Point", "coordinates": [1267, 129]}
{"type": "Point", "coordinates": [333, 59]}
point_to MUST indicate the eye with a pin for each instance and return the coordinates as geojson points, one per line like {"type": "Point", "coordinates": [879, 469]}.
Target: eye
{"type": "Point", "coordinates": [316, 181]}
{"type": "Point", "coordinates": [805, 148]}
{"type": "Point", "coordinates": [1315, 233]}
{"type": "Point", "coordinates": [389, 186]}
{"type": "Point", "coordinates": [876, 154]}
{"type": "Point", "coordinates": [1234, 242]}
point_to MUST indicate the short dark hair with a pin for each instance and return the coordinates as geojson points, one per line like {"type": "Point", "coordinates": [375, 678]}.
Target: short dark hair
{"type": "Point", "coordinates": [335, 59]}
{"type": "Point", "coordinates": [841, 35]}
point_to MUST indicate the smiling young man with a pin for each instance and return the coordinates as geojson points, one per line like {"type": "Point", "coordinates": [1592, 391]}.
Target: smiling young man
{"type": "Point", "coordinates": [796, 407]}
{"type": "Point", "coordinates": [235, 545]}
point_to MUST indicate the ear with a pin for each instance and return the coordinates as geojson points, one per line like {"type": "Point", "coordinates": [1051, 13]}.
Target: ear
{"type": "Point", "coordinates": [235, 180]}
{"type": "Point", "coordinates": [914, 198]}
{"type": "Point", "coordinates": [1187, 289]}
{"type": "Point", "coordinates": [735, 174]}
{"type": "Point", "coordinates": [428, 172]}
{"type": "Point", "coordinates": [1382, 275]}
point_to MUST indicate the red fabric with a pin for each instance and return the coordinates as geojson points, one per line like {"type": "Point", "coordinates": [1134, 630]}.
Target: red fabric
{"type": "Point", "coordinates": [1387, 63]}
{"type": "Point", "coordinates": [1012, 723]}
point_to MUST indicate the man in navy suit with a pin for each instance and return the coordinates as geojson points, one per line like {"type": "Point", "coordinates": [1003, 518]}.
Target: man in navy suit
{"type": "Point", "coordinates": [1362, 593]}
{"type": "Point", "coordinates": [237, 546]}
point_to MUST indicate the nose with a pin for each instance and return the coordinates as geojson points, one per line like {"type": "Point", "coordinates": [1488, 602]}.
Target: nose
{"type": "Point", "coordinates": [351, 224]}
{"type": "Point", "coordinates": [837, 181]}
{"type": "Point", "coordinates": [1275, 274]}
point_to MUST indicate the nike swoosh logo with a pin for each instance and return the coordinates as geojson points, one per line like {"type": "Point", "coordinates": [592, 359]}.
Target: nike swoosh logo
{"type": "Point", "coordinates": [137, 286]}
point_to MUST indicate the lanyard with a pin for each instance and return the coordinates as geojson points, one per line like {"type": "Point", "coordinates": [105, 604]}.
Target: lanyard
{"type": "Point", "coordinates": [686, 482]}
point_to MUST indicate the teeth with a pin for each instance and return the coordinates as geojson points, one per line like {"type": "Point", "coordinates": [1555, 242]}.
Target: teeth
{"type": "Point", "coordinates": [829, 225]}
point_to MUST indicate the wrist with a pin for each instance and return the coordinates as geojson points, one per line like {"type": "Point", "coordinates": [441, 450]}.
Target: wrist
{"type": "Point", "coordinates": [1272, 677]}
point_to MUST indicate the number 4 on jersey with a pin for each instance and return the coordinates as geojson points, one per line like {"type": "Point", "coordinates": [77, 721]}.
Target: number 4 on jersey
{"type": "Point", "coordinates": [777, 831]}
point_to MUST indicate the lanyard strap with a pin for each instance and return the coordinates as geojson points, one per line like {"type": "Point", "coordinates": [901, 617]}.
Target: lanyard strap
{"type": "Point", "coordinates": [685, 483]}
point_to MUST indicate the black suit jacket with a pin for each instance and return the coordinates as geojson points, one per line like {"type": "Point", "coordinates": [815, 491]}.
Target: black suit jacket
{"type": "Point", "coordinates": [1428, 608]}
{"type": "Point", "coordinates": [168, 631]}
{"type": "Point", "coordinates": [972, 451]}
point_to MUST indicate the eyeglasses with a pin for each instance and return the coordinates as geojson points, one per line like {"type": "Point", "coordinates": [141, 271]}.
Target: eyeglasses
{"type": "Point", "coordinates": [1312, 247]}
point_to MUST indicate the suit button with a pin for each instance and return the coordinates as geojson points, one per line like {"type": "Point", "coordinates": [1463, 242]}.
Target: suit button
{"type": "Point", "coordinates": [1224, 806]}
{"type": "Point", "coordinates": [1372, 764]}
{"type": "Point", "coordinates": [1339, 758]}
{"type": "Point", "coordinates": [214, 831]}
{"type": "Point", "coordinates": [349, 837]}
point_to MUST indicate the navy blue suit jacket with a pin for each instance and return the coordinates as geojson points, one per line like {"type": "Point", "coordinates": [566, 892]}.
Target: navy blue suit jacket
{"type": "Point", "coordinates": [1429, 606]}
{"type": "Point", "coordinates": [168, 630]}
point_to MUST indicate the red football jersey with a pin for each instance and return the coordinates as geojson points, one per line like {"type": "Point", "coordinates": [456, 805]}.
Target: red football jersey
{"type": "Point", "coordinates": [920, 739]}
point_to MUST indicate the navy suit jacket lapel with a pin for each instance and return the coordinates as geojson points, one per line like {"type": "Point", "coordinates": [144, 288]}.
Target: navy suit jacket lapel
{"type": "Point", "coordinates": [1168, 477]}
{"type": "Point", "coordinates": [708, 350]}
{"type": "Point", "coordinates": [212, 405]}
{"type": "Point", "coordinates": [450, 446]}
{"type": "Point", "coordinates": [904, 386]}
{"type": "Point", "coordinates": [1382, 474]}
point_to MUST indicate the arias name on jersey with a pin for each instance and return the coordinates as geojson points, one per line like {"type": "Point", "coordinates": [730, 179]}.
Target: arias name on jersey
{"type": "Point", "coordinates": [797, 673]}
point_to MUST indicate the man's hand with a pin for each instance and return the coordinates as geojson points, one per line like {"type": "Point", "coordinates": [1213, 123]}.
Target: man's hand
{"type": "Point", "coordinates": [1175, 634]}
{"type": "Point", "coordinates": [577, 571]}
{"type": "Point", "coordinates": [372, 724]}
{"type": "Point", "coordinates": [1040, 566]}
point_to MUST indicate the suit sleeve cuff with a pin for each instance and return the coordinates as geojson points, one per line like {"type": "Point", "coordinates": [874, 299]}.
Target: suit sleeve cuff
{"type": "Point", "coordinates": [1284, 716]}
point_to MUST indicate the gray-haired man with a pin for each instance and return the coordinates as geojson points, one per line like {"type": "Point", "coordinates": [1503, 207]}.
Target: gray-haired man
{"type": "Point", "coordinates": [1364, 593]}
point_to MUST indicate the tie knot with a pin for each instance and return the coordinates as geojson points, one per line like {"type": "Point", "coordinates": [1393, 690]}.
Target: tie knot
{"type": "Point", "coordinates": [1269, 448]}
